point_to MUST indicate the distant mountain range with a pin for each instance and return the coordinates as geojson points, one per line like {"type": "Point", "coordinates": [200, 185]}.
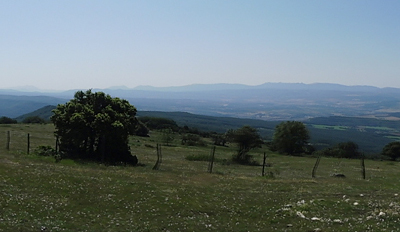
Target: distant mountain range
{"type": "Point", "coordinates": [13, 106]}
{"type": "Point", "coordinates": [269, 101]}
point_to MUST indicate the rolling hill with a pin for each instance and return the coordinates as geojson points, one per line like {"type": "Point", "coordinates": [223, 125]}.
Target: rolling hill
{"type": "Point", "coordinates": [44, 112]}
{"type": "Point", "coordinates": [13, 106]}
{"type": "Point", "coordinates": [369, 133]}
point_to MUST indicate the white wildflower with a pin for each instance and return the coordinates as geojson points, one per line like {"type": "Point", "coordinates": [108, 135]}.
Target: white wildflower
{"type": "Point", "coordinates": [300, 214]}
{"type": "Point", "coordinates": [302, 202]}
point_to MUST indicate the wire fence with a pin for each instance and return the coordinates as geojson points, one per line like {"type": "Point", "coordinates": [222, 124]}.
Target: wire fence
{"type": "Point", "coordinates": [23, 142]}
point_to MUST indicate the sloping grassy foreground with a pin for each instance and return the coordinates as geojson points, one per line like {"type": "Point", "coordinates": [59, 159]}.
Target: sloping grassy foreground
{"type": "Point", "coordinates": [37, 194]}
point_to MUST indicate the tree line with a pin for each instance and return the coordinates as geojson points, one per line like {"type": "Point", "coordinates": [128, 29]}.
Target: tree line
{"type": "Point", "coordinates": [95, 126]}
{"type": "Point", "coordinates": [30, 119]}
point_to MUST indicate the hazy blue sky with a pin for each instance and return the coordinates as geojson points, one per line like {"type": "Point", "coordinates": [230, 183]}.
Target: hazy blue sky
{"type": "Point", "coordinates": [97, 44]}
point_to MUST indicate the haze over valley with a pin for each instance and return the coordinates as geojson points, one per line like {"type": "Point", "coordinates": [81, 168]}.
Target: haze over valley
{"type": "Point", "coordinates": [269, 101]}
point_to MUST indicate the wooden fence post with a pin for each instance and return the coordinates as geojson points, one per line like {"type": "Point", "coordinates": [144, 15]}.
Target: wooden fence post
{"type": "Point", "coordinates": [315, 167]}
{"type": "Point", "coordinates": [29, 144]}
{"type": "Point", "coordinates": [211, 164]}
{"type": "Point", "coordinates": [263, 169]}
{"type": "Point", "coordinates": [159, 158]}
{"type": "Point", "coordinates": [362, 167]}
{"type": "Point", "coordinates": [8, 140]}
{"type": "Point", "coordinates": [160, 151]}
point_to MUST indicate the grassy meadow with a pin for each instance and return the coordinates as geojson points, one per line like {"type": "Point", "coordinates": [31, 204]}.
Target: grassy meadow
{"type": "Point", "coordinates": [37, 194]}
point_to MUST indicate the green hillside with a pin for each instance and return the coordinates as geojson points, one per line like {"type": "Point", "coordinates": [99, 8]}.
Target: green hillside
{"type": "Point", "coordinates": [215, 124]}
{"type": "Point", "coordinates": [14, 106]}
{"type": "Point", "coordinates": [370, 134]}
{"type": "Point", "coordinates": [44, 112]}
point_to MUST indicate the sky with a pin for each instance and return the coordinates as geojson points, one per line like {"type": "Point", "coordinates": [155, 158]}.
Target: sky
{"type": "Point", "coordinates": [86, 44]}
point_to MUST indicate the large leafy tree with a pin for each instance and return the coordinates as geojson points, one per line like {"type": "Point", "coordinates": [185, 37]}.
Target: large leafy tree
{"type": "Point", "coordinates": [290, 137]}
{"type": "Point", "coordinates": [392, 150]}
{"type": "Point", "coordinates": [95, 126]}
{"type": "Point", "coordinates": [246, 138]}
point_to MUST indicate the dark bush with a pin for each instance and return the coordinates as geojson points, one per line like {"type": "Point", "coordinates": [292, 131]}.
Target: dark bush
{"type": "Point", "coordinates": [341, 150]}
{"type": "Point", "coordinates": [7, 120]}
{"type": "Point", "coordinates": [198, 158]}
{"type": "Point", "coordinates": [141, 130]}
{"type": "Point", "coordinates": [131, 160]}
{"type": "Point", "coordinates": [391, 150]}
{"type": "Point", "coordinates": [192, 140]}
{"type": "Point", "coordinates": [45, 151]}
{"type": "Point", "coordinates": [34, 119]}
{"type": "Point", "coordinates": [245, 160]}
{"type": "Point", "coordinates": [154, 123]}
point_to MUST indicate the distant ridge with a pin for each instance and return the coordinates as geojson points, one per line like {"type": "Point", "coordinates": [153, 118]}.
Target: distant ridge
{"type": "Point", "coordinates": [44, 112]}
{"type": "Point", "coordinates": [195, 87]}
{"type": "Point", "coordinates": [269, 85]}
{"type": "Point", "coordinates": [268, 101]}
{"type": "Point", "coordinates": [31, 90]}
{"type": "Point", "coordinates": [13, 106]}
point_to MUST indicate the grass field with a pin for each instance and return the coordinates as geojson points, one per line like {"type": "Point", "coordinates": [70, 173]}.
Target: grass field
{"type": "Point", "coordinates": [37, 194]}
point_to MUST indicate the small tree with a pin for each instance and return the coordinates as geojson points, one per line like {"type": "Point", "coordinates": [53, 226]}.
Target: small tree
{"type": "Point", "coordinates": [290, 137]}
{"type": "Point", "coordinates": [141, 129]}
{"type": "Point", "coordinates": [392, 150]}
{"type": "Point", "coordinates": [246, 138]}
{"type": "Point", "coordinates": [95, 126]}
{"type": "Point", "coordinates": [348, 150]}
{"type": "Point", "coordinates": [218, 139]}
{"type": "Point", "coordinates": [167, 136]}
